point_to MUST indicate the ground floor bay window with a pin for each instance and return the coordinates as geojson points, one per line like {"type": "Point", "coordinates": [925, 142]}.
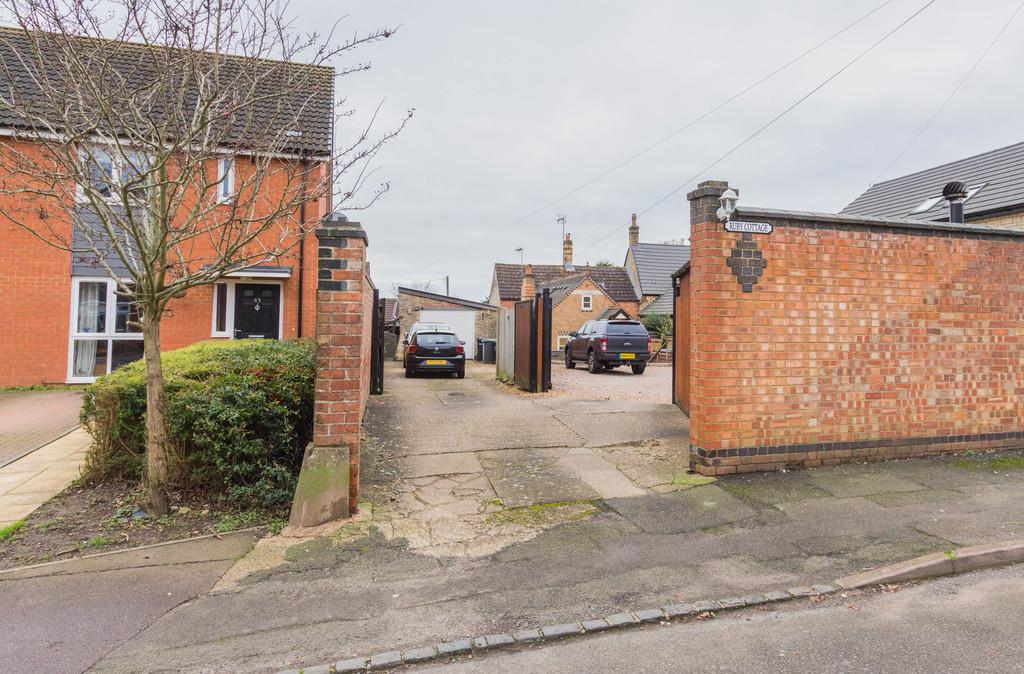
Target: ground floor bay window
{"type": "Point", "coordinates": [104, 330]}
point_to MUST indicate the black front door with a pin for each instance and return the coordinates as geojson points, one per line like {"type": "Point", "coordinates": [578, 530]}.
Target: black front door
{"type": "Point", "coordinates": [257, 310]}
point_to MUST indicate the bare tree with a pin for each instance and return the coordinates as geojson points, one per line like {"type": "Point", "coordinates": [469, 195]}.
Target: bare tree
{"type": "Point", "coordinates": [170, 143]}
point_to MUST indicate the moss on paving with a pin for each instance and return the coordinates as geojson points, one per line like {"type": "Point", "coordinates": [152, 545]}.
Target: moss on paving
{"type": "Point", "coordinates": [686, 480]}
{"type": "Point", "coordinates": [541, 514]}
{"type": "Point", "coordinates": [11, 529]}
{"type": "Point", "coordinates": [999, 463]}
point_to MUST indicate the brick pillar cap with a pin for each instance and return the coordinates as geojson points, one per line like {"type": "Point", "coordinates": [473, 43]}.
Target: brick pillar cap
{"type": "Point", "coordinates": [338, 226]}
{"type": "Point", "coordinates": [710, 188]}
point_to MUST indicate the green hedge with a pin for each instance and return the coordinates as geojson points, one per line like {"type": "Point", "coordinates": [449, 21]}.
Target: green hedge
{"type": "Point", "coordinates": [239, 414]}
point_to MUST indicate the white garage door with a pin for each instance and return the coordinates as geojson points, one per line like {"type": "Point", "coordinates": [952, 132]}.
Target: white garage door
{"type": "Point", "coordinates": [462, 322]}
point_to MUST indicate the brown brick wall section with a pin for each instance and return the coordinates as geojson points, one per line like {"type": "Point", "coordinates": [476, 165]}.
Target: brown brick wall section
{"type": "Point", "coordinates": [857, 342]}
{"type": "Point", "coordinates": [1005, 220]}
{"type": "Point", "coordinates": [568, 315]}
{"type": "Point", "coordinates": [343, 323]}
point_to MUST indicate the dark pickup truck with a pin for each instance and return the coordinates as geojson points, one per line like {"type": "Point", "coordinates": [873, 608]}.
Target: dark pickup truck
{"type": "Point", "coordinates": [609, 344]}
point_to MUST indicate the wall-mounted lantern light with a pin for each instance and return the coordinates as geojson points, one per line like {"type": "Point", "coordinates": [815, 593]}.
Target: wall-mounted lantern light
{"type": "Point", "coordinates": [728, 201]}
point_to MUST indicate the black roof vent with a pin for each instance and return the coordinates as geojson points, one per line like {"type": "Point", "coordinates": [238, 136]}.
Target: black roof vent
{"type": "Point", "coordinates": [954, 190]}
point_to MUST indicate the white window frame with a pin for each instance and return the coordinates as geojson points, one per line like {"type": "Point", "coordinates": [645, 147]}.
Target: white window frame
{"type": "Point", "coordinates": [118, 170]}
{"type": "Point", "coordinates": [225, 179]}
{"type": "Point", "coordinates": [562, 341]}
{"type": "Point", "coordinates": [109, 325]}
{"type": "Point", "coordinates": [586, 302]}
{"type": "Point", "coordinates": [229, 317]}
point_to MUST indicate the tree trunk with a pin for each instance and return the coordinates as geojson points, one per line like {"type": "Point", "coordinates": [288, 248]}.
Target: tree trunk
{"type": "Point", "coordinates": [156, 422]}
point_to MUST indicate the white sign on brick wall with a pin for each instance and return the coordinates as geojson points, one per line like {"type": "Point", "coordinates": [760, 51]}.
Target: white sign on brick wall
{"type": "Point", "coordinates": [748, 227]}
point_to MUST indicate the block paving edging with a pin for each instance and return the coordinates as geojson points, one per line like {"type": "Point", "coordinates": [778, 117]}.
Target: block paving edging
{"type": "Point", "coordinates": [491, 642]}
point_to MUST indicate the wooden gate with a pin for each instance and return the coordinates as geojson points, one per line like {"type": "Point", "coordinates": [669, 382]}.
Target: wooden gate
{"type": "Point", "coordinates": [506, 358]}
{"type": "Point", "coordinates": [532, 365]}
{"type": "Point", "coordinates": [681, 348]}
{"type": "Point", "coordinates": [377, 346]}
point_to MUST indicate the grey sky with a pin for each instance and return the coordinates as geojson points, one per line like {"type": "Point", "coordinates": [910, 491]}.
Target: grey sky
{"type": "Point", "coordinates": [517, 103]}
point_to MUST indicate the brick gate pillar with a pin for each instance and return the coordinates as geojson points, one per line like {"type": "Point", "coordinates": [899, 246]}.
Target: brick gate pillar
{"type": "Point", "coordinates": [709, 277]}
{"type": "Point", "coordinates": [328, 487]}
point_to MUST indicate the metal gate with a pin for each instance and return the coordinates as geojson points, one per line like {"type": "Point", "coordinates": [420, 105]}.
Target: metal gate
{"type": "Point", "coordinates": [377, 346]}
{"type": "Point", "coordinates": [532, 363]}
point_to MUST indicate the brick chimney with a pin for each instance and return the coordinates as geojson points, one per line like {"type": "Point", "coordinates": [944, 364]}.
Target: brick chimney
{"type": "Point", "coordinates": [567, 252]}
{"type": "Point", "coordinates": [529, 289]}
{"type": "Point", "coordinates": [634, 232]}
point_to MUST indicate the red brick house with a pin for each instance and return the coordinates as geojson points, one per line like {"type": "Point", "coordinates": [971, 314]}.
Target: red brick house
{"type": "Point", "coordinates": [63, 320]}
{"type": "Point", "coordinates": [578, 293]}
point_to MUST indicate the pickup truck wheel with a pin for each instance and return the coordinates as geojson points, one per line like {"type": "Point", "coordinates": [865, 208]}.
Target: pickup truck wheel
{"type": "Point", "coordinates": [570, 364]}
{"type": "Point", "coordinates": [638, 368]}
{"type": "Point", "coordinates": [593, 367]}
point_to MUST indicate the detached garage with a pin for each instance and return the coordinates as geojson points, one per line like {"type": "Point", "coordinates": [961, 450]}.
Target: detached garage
{"type": "Point", "coordinates": [470, 320]}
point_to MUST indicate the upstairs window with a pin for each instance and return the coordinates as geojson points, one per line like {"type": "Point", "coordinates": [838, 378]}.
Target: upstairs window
{"type": "Point", "coordinates": [587, 302]}
{"type": "Point", "coordinates": [225, 178]}
{"type": "Point", "coordinates": [107, 172]}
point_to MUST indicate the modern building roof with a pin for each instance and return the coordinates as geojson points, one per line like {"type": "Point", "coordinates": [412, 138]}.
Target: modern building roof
{"type": "Point", "coordinates": [446, 298]}
{"type": "Point", "coordinates": [300, 122]}
{"type": "Point", "coordinates": [655, 263]}
{"type": "Point", "coordinates": [613, 280]}
{"type": "Point", "coordinates": [998, 177]}
{"type": "Point", "coordinates": [665, 304]}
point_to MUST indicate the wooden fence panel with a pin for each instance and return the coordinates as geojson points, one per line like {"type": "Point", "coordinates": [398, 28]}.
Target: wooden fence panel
{"type": "Point", "coordinates": [681, 357]}
{"type": "Point", "coordinates": [506, 344]}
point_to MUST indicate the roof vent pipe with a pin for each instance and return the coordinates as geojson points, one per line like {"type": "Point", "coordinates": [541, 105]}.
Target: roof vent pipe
{"type": "Point", "coordinates": [955, 193]}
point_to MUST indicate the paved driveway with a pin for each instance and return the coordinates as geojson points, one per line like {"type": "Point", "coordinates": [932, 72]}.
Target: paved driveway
{"type": "Point", "coordinates": [31, 419]}
{"type": "Point", "coordinates": [654, 385]}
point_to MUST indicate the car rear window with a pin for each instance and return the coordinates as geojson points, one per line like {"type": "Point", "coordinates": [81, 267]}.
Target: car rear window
{"type": "Point", "coordinates": [624, 328]}
{"type": "Point", "coordinates": [436, 339]}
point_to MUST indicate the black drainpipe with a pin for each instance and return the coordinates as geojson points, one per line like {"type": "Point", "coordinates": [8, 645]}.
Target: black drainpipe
{"type": "Point", "coordinates": [302, 249]}
{"type": "Point", "coordinates": [955, 193]}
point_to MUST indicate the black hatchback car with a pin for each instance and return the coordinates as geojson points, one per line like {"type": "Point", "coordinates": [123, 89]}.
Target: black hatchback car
{"type": "Point", "coordinates": [435, 351]}
{"type": "Point", "coordinates": [609, 344]}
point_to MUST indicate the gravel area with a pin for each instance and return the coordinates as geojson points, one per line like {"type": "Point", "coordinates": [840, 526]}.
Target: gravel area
{"type": "Point", "coordinates": [654, 385]}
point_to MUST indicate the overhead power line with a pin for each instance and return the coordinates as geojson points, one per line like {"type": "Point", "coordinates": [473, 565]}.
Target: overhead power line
{"type": "Point", "coordinates": [770, 122]}
{"type": "Point", "coordinates": [952, 94]}
{"type": "Point", "coordinates": [666, 138]}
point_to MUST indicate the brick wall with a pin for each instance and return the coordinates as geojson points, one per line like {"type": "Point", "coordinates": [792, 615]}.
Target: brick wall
{"type": "Point", "coordinates": [857, 341]}
{"type": "Point", "coordinates": [1008, 220]}
{"type": "Point", "coordinates": [568, 315]}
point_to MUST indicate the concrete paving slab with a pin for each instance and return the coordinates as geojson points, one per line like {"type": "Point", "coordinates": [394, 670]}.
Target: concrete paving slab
{"type": "Point", "coordinates": [601, 475]}
{"type": "Point", "coordinates": [600, 430]}
{"type": "Point", "coordinates": [440, 464]}
{"type": "Point", "coordinates": [524, 477]}
{"type": "Point", "coordinates": [690, 510]}
{"type": "Point", "coordinates": [845, 485]}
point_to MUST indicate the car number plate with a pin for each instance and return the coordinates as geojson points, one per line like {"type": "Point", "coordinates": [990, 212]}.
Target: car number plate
{"type": "Point", "coordinates": [627, 356]}
{"type": "Point", "coordinates": [437, 362]}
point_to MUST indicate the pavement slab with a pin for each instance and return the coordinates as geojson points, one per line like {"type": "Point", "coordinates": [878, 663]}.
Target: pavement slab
{"type": "Point", "coordinates": [523, 477]}
{"type": "Point", "coordinates": [690, 510]}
